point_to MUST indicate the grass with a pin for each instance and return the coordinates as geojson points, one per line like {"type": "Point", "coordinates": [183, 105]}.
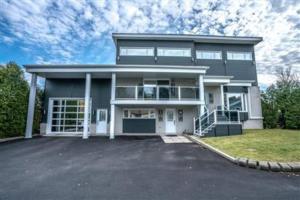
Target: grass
{"type": "Point", "coordinates": [268, 144]}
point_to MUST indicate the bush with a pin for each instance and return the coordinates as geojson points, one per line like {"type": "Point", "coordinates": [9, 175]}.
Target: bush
{"type": "Point", "coordinates": [14, 91]}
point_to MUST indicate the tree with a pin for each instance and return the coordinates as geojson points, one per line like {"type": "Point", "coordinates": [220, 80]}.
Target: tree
{"type": "Point", "coordinates": [269, 108]}
{"type": "Point", "coordinates": [14, 91]}
{"type": "Point", "coordinates": [281, 101]}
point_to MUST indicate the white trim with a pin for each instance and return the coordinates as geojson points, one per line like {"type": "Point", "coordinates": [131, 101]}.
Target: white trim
{"type": "Point", "coordinates": [255, 117]}
{"type": "Point", "coordinates": [239, 84]}
{"type": "Point", "coordinates": [169, 70]}
{"type": "Point", "coordinates": [156, 102]}
{"type": "Point", "coordinates": [249, 102]}
{"type": "Point", "coordinates": [222, 96]}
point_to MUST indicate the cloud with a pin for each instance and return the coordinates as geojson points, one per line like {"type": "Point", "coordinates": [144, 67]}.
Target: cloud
{"type": "Point", "coordinates": [71, 31]}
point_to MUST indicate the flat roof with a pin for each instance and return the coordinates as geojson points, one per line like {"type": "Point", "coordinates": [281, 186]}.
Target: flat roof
{"type": "Point", "coordinates": [188, 37]}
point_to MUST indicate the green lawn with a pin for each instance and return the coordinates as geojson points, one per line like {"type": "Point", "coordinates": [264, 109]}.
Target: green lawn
{"type": "Point", "coordinates": [268, 144]}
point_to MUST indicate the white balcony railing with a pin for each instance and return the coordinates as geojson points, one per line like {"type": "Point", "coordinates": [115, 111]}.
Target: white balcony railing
{"type": "Point", "coordinates": [157, 93]}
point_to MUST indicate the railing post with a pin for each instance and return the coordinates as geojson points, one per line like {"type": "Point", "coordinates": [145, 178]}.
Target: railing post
{"type": "Point", "coordinates": [157, 92]}
{"type": "Point", "coordinates": [222, 96]}
{"type": "Point", "coordinates": [136, 92]}
{"type": "Point", "coordinates": [194, 125]}
{"type": "Point", "coordinates": [200, 126]}
{"type": "Point", "coordinates": [239, 119]}
{"type": "Point", "coordinates": [179, 92]}
{"type": "Point", "coordinates": [215, 116]}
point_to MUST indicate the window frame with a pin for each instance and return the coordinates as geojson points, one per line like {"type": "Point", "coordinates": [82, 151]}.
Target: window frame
{"type": "Point", "coordinates": [174, 48]}
{"type": "Point", "coordinates": [243, 100]}
{"type": "Point", "coordinates": [148, 48]}
{"type": "Point", "coordinates": [240, 52]}
{"type": "Point", "coordinates": [198, 53]}
{"type": "Point", "coordinates": [63, 113]}
{"type": "Point", "coordinates": [150, 112]}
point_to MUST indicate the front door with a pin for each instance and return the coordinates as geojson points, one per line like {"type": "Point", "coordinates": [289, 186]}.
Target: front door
{"type": "Point", "coordinates": [170, 121]}
{"type": "Point", "coordinates": [101, 121]}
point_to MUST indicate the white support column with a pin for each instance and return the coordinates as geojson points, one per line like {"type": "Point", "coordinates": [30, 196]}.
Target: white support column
{"type": "Point", "coordinates": [201, 93]}
{"type": "Point", "coordinates": [31, 105]}
{"type": "Point", "coordinates": [112, 106]}
{"type": "Point", "coordinates": [222, 96]}
{"type": "Point", "coordinates": [86, 106]}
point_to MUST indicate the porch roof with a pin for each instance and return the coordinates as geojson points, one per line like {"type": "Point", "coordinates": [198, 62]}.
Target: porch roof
{"type": "Point", "coordinates": [104, 71]}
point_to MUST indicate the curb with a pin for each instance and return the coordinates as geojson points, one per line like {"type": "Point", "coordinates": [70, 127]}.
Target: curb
{"type": "Point", "coordinates": [254, 164]}
{"type": "Point", "coordinates": [16, 138]}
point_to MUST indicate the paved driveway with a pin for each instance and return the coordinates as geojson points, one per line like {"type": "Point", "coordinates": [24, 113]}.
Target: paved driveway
{"type": "Point", "coordinates": [130, 168]}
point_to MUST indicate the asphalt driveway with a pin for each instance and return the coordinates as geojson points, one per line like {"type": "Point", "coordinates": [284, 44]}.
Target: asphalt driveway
{"type": "Point", "coordinates": [130, 168]}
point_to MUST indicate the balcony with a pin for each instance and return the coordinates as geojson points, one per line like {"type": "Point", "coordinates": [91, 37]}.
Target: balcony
{"type": "Point", "coordinates": [157, 93]}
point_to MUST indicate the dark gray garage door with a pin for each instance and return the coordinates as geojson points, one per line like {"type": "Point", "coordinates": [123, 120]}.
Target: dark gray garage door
{"type": "Point", "coordinates": [138, 125]}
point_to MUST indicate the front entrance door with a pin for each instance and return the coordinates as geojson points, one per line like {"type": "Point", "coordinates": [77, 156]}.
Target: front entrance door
{"type": "Point", "coordinates": [170, 121]}
{"type": "Point", "coordinates": [101, 121]}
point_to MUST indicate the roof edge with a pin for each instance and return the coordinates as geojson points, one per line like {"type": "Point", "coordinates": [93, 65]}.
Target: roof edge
{"type": "Point", "coordinates": [188, 37]}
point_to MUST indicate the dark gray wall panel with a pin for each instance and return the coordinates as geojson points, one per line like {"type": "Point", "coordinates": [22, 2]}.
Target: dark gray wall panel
{"type": "Point", "coordinates": [139, 126]}
{"type": "Point", "coordinates": [235, 89]}
{"type": "Point", "coordinates": [75, 88]}
{"type": "Point", "coordinates": [235, 129]}
{"type": "Point", "coordinates": [221, 130]}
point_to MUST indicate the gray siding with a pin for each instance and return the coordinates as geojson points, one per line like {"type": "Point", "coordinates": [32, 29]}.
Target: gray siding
{"type": "Point", "coordinates": [75, 88]}
{"type": "Point", "coordinates": [241, 70]}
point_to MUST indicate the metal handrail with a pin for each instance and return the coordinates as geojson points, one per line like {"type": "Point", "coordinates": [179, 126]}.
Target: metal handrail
{"type": "Point", "coordinates": [177, 91]}
{"type": "Point", "coordinates": [214, 115]}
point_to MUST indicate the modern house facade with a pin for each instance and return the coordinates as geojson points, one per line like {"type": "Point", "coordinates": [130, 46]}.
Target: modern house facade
{"type": "Point", "coordinates": [161, 84]}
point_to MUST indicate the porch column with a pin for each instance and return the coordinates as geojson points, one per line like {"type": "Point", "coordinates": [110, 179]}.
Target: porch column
{"type": "Point", "coordinates": [112, 106]}
{"type": "Point", "coordinates": [86, 106]}
{"type": "Point", "coordinates": [31, 105]}
{"type": "Point", "coordinates": [222, 96]}
{"type": "Point", "coordinates": [201, 94]}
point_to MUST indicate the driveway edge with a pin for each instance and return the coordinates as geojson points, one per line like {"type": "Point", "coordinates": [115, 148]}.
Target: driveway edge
{"type": "Point", "coordinates": [15, 138]}
{"type": "Point", "coordinates": [245, 162]}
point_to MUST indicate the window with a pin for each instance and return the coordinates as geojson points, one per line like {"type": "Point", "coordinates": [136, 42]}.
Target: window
{"type": "Point", "coordinates": [180, 115]}
{"type": "Point", "coordinates": [139, 113]}
{"type": "Point", "coordinates": [174, 52]}
{"type": "Point", "coordinates": [239, 55]}
{"type": "Point", "coordinates": [136, 51]}
{"type": "Point", "coordinates": [67, 115]}
{"type": "Point", "coordinates": [210, 55]}
{"type": "Point", "coordinates": [211, 98]}
{"type": "Point", "coordinates": [236, 101]}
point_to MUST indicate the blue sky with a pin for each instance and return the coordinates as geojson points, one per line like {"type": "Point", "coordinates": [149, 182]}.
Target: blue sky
{"type": "Point", "coordinates": [79, 31]}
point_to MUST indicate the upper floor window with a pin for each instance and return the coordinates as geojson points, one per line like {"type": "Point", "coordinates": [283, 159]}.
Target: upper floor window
{"type": "Point", "coordinates": [175, 52]}
{"type": "Point", "coordinates": [239, 55]}
{"type": "Point", "coordinates": [136, 51]}
{"type": "Point", "coordinates": [211, 55]}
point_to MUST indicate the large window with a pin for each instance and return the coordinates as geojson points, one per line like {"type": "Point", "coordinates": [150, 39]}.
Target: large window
{"type": "Point", "coordinates": [174, 52]}
{"type": "Point", "coordinates": [239, 55]}
{"type": "Point", "coordinates": [236, 101]}
{"type": "Point", "coordinates": [210, 55]}
{"type": "Point", "coordinates": [136, 51]}
{"type": "Point", "coordinates": [139, 113]}
{"type": "Point", "coordinates": [67, 115]}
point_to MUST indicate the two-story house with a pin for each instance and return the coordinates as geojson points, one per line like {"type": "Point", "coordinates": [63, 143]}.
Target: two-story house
{"type": "Point", "coordinates": [161, 84]}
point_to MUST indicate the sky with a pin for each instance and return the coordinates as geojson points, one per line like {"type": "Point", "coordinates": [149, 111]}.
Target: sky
{"type": "Point", "coordinates": [79, 31]}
